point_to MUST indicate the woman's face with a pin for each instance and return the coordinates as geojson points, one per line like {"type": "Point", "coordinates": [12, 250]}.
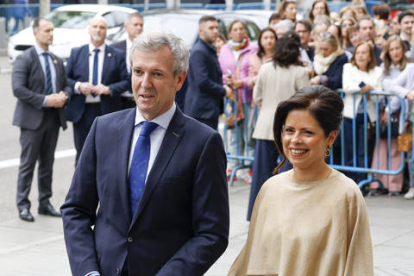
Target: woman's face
{"type": "Point", "coordinates": [362, 56]}
{"type": "Point", "coordinates": [304, 141]}
{"type": "Point", "coordinates": [354, 38]}
{"type": "Point", "coordinates": [219, 43]}
{"type": "Point", "coordinates": [268, 41]}
{"type": "Point", "coordinates": [291, 11]}
{"type": "Point", "coordinates": [396, 51]}
{"type": "Point", "coordinates": [318, 9]}
{"type": "Point", "coordinates": [325, 48]}
{"type": "Point", "coordinates": [238, 32]}
{"type": "Point", "coordinates": [346, 24]}
{"type": "Point", "coordinates": [334, 31]}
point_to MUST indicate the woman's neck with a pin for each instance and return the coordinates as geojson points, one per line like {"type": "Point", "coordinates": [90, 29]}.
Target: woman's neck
{"type": "Point", "coordinates": [312, 173]}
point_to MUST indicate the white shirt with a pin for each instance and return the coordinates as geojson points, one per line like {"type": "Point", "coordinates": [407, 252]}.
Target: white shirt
{"type": "Point", "coordinates": [40, 52]}
{"type": "Point", "coordinates": [156, 137]}
{"type": "Point", "coordinates": [128, 52]}
{"type": "Point", "coordinates": [101, 57]}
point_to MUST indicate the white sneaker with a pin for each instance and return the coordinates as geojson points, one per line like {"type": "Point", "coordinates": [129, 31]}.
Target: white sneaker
{"type": "Point", "coordinates": [410, 194]}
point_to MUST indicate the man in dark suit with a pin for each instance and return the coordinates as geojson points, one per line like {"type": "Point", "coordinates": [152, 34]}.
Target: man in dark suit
{"type": "Point", "coordinates": [176, 220]}
{"type": "Point", "coordinates": [134, 25]}
{"type": "Point", "coordinates": [205, 92]}
{"type": "Point", "coordinates": [40, 86]}
{"type": "Point", "coordinates": [98, 75]}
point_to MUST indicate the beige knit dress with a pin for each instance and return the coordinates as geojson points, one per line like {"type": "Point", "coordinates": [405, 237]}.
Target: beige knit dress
{"type": "Point", "coordinates": [317, 228]}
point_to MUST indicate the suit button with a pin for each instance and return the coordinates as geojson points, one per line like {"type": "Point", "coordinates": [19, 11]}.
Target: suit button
{"type": "Point", "coordinates": [118, 271]}
{"type": "Point", "coordinates": [130, 239]}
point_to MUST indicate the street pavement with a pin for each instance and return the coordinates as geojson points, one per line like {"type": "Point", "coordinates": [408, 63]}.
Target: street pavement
{"type": "Point", "coordinates": [31, 249]}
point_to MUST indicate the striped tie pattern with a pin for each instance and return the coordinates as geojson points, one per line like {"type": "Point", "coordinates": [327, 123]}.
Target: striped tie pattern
{"type": "Point", "coordinates": [139, 165]}
{"type": "Point", "coordinates": [49, 86]}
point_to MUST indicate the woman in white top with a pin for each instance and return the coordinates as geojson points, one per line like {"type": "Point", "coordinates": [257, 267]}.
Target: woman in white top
{"type": "Point", "coordinates": [311, 220]}
{"type": "Point", "coordinates": [360, 75]}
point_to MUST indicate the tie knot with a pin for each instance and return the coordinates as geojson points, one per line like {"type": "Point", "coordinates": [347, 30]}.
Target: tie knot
{"type": "Point", "coordinates": [147, 128]}
{"type": "Point", "coordinates": [96, 50]}
{"type": "Point", "coordinates": [45, 54]}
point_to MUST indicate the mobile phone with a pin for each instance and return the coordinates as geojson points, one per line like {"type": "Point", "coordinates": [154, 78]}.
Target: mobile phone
{"type": "Point", "coordinates": [362, 84]}
{"type": "Point", "coordinates": [385, 36]}
{"type": "Point", "coordinates": [229, 72]}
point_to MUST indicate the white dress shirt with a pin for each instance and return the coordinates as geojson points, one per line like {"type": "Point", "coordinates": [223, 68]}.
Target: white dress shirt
{"type": "Point", "coordinates": [156, 137]}
{"type": "Point", "coordinates": [40, 52]}
{"type": "Point", "coordinates": [101, 57]}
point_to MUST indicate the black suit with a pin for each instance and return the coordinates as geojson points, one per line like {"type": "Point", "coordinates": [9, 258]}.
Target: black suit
{"type": "Point", "coordinates": [121, 45]}
{"type": "Point", "coordinates": [114, 75]}
{"type": "Point", "coordinates": [39, 126]}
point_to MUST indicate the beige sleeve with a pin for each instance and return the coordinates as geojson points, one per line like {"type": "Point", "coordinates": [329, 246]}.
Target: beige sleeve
{"type": "Point", "coordinates": [302, 79]}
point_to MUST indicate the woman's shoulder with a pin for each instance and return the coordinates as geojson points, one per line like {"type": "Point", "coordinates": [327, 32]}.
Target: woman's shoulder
{"type": "Point", "coordinates": [344, 183]}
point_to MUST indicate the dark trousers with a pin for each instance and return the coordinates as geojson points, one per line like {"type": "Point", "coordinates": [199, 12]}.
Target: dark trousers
{"type": "Point", "coordinates": [213, 123]}
{"type": "Point", "coordinates": [82, 127]}
{"type": "Point", "coordinates": [265, 161]}
{"type": "Point", "coordinates": [360, 149]}
{"type": "Point", "coordinates": [38, 145]}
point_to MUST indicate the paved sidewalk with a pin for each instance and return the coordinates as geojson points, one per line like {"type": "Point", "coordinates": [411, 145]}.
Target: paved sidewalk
{"type": "Point", "coordinates": [32, 249]}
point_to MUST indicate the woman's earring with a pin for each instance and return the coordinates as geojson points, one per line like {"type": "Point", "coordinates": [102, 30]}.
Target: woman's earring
{"type": "Point", "coordinates": [328, 152]}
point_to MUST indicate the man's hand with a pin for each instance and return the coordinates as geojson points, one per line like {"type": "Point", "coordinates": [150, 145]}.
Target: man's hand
{"type": "Point", "coordinates": [101, 89]}
{"type": "Point", "coordinates": [229, 91]}
{"type": "Point", "coordinates": [86, 88]}
{"type": "Point", "coordinates": [56, 100]}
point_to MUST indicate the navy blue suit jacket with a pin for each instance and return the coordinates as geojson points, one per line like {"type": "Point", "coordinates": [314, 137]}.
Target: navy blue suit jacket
{"type": "Point", "coordinates": [182, 221]}
{"type": "Point", "coordinates": [334, 72]}
{"type": "Point", "coordinates": [205, 91]}
{"type": "Point", "coordinates": [114, 75]}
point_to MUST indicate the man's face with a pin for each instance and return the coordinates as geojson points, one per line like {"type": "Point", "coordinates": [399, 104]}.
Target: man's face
{"type": "Point", "coordinates": [97, 31]}
{"type": "Point", "coordinates": [407, 24]}
{"type": "Point", "coordinates": [209, 31]}
{"type": "Point", "coordinates": [366, 30]}
{"type": "Point", "coordinates": [44, 34]}
{"type": "Point", "coordinates": [134, 27]}
{"type": "Point", "coordinates": [153, 82]}
{"type": "Point", "coordinates": [303, 33]}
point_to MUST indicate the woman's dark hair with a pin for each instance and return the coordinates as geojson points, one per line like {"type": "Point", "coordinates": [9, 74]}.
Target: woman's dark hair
{"type": "Point", "coordinates": [287, 50]}
{"type": "Point", "coordinates": [261, 51]}
{"type": "Point", "coordinates": [322, 103]}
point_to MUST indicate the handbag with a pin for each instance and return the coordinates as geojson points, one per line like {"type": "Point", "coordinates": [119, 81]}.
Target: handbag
{"type": "Point", "coordinates": [395, 124]}
{"type": "Point", "coordinates": [405, 140]}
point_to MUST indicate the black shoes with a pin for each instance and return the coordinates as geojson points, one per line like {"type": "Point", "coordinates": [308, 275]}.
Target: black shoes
{"type": "Point", "coordinates": [25, 215]}
{"type": "Point", "coordinates": [48, 210]}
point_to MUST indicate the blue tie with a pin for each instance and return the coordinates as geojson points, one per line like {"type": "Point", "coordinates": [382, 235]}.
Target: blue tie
{"type": "Point", "coordinates": [95, 69]}
{"type": "Point", "coordinates": [139, 165]}
{"type": "Point", "coordinates": [49, 86]}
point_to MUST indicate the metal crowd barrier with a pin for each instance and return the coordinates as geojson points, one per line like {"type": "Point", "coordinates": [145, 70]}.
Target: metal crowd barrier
{"type": "Point", "coordinates": [367, 168]}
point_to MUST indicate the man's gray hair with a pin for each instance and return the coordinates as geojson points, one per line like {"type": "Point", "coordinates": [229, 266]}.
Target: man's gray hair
{"type": "Point", "coordinates": [154, 41]}
{"type": "Point", "coordinates": [132, 15]}
{"type": "Point", "coordinates": [285, 24]}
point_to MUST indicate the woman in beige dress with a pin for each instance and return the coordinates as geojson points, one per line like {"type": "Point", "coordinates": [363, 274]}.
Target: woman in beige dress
{"type": "Point", "coordinates": [311, 220]}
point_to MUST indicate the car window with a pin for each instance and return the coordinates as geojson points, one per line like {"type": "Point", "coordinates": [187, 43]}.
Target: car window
{"type": "Point", "coordinates": [110, 20]}
{"type": "Point", "coordinates": [252, 30]}
{"type": "Point", "coordinates": [119, 17]}
{"type": "Point", "coordinates": [70, 19]}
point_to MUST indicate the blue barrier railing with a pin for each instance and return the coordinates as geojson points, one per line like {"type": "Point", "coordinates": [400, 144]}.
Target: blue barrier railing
{"type": "Point", "coordinates": [366, 168]}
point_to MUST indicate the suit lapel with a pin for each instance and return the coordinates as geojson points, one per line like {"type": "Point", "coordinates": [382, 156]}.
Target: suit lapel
{"type": "Point", "coordinates": [169, 144]}
{"type": "Point", "coordinates": [125, 133]}
{"type": "Point", "coordinates": [106, 64]}
{"type": "Point", "coordinates": [38, 67]}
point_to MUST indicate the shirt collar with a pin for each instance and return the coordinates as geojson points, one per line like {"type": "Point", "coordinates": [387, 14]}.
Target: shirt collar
{"type": "Point", "coordinates": [91, 48]}
{"type": "Point", "coordinates": [163, 120]}
{"type": "Point", "coordinates": [39, 50]}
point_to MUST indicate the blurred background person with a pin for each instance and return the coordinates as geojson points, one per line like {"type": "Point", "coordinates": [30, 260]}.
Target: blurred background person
{"type": "Point", "coordinates": [335, 30]}
{"type": "Point", "coordinates": [346, 23]}
{"type": "Point", "coordinates": [274, 18]}
{"type": "Point", "coordinates": [381, 12]}
{"type": "Point", "coordinates": [329, 62]}
{"type": "Point", "coordinates": [311, 220]}
{"type": "Point", "coordinates": [276, 82]}
{"type": "Point", "coordinates": [134, 25]}
{"type": "Point", "coordinates": [283, 26]}
{"type": "Point", "coordinates": [360, 75]}
{"type": "Point", "coordinates": [360, 8]}
{"type": "Point", "coordinates": [395, 27]}
{"type": "Point", "coordinates": [406, 21]}
{"type": "Point", "coordinates": [346, 12]}
{"type": "Point", "coordinates": [304, 29]}
{"type": "Point", "coordinates": [234, 62]}
{"type": "Point", "coordinates": [366, 29]}
{"type": "Point", "coordinates": [288, 10]}
{"type": "Point", "coordinates": [394, 63]}
{"type": "Point", "coordinates": [267, 41]}
{"type": "Point", "coordinates": [219, 42]}
{"type": "Point", "coordinates": [319, 7]}
{"type": "Point", "coordinates": [320, 25]}
{"type": "Point", "coordinates": [381, 34]}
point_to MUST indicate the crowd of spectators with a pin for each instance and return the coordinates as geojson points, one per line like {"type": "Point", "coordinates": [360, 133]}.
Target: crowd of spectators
{"type": "Point", "coordinates": [349, 50]}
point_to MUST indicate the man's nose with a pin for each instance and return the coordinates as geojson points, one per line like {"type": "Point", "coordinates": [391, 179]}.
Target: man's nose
{"type": "Point", "coordinates": [146, 81]}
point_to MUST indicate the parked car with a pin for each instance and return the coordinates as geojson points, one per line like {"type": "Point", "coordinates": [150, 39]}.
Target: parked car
{"type": "Point", "coordinates": [71, 28]}
{"type": "Point", "coordinates": [184, 23]}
